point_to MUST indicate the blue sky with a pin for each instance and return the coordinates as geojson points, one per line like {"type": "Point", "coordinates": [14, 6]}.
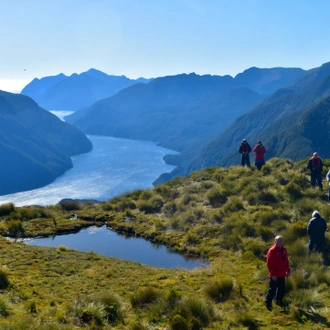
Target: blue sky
{"type": "Point", "coordinates": [152, 38]}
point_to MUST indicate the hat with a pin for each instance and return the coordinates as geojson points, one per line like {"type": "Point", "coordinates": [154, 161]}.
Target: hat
{"type": "Point", "coordinates": [244, 140]}
{"type": "Point", "coordinates": [258, 141]}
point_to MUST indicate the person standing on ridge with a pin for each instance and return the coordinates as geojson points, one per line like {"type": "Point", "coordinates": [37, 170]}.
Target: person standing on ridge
{"type": "Point", "coordinates": [328, 180]}
{"type": "Point", "coordinates": [316, 230]}
{"type": "Point", "coordinates": [244, 150]}
{"type": "Point", "coordinates": [315, 165]}
{"type": "Point", "coordinates": [278, 267]}
{"type": "Point", "coordinates": [259, 151]}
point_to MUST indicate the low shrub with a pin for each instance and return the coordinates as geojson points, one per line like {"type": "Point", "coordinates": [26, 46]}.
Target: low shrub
{"type": "Point", "coordinates": [93, 314]}
{"type": "Point", "coordinates": [172, 298]}
{"type": "Point", "coordinates": [265, 233]}
{"type": "Point", "coordinates": [152, 205]}
{"type": "Point", "coordinates": [70, 205]}
{"type": "Point", "coordinates": [177, 322]}
{"type": "Point", "coordinates": [192, 313]}
{"type": "Point", "coordinates": [293, 190]}
{"type": "Point", "coordinates": [144, 297]}
{"type": "Point", "coordinates": [15, 228]}
{"type": "Point", "coordinates": [199, 310]}
{"type": "Point", "coordinates": [112, 307]}
{"type": "Point", "coordinates": [5, 309]}
{"type": "Point", "coordinates": [6, 209]}
{"type": "Point", "coordinates": [294, 232]}
{"type": "Point", "coordinates": [61, 248]}
{"type": "Point", "coordinates": [216, 197]}
{"type": "Point", "coordinates": [257, 246]}
{"type": "Point", "coordinates": [124, 204]}
{"type": "Point", "coordinates": [266, 218]}
{"type": "Point", "coordinates": [4, 281]}
{"type": "Point", "coordinates": [192, 238]}
{"type": "Point", "coordinates": [169, 209]}
{"type": "Point", "coordinates": [246, 319]}
{"type": "Point", "coordinates": [234, 204]}
{"type": "Point", "coordinates": [145, 195]}
{"type": "Point", "coordinates": [220, 290]}
{"type": "Point", "coordinates": [26, 213]}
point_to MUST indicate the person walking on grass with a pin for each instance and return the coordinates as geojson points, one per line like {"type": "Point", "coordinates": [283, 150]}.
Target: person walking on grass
{"type": "Point", "coordinates": [259, 151]}
{"type": "Point", "coordinates": [316, 230]}
{"type": "Point", "coordinates": [315, 165]}
{"type": "Point", "coordinates": [278, 268]}
{"type": "Point", "coordinates": [245, 150]}
{"type": "Point", "coordinates": [328, 180]}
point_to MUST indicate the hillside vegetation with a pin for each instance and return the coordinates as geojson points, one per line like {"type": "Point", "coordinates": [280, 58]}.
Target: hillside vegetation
{"type": "Point", "coordinates": [228, 216]}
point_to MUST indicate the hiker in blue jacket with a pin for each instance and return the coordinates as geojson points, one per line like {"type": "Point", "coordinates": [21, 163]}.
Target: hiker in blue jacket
{"type": "Point", "coordinates": [316, 230]}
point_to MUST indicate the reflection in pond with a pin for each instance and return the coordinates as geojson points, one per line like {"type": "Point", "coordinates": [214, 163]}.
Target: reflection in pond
{"type": "Point", "coordinates": [107, 242]}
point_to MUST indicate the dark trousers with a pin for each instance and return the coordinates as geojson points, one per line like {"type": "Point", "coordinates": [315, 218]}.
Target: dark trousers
{"type": "Point", "coordinates": [245, 160]}
{"type": "Point", "coordinates": [276, 288]}
{"type": "Point", "coordinates": [259, 164]}
{"type": "Point", "coordinates": [316, 177]}
{"type": "Point", "coordinates": [319, 245]}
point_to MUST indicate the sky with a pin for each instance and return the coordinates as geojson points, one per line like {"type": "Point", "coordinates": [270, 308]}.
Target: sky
{"type": "Point", "coordinates": [154, 38]}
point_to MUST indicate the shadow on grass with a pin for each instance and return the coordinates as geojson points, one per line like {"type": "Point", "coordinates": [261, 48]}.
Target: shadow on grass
{"type": "Point", "coordinates": [314, 317]}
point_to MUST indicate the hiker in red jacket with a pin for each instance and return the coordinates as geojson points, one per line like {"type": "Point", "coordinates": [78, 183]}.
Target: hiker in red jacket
{"type": "Point", "coordinates": [278, 267]}
{"type": "Point", "coordinates": [259, 150]}
{"type": "Point", "coordinates": [315, 165]}
{"type": "Point", "coordinates": [244, 150]}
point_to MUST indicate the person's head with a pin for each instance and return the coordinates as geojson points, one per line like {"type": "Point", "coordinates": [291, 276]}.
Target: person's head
{"type": "Point", "coordinates": [258, 143]}
{"type": "Point", "coordinates": [279, 240]}
{"type": "Point", "coordinates": [315, 155]}
{"type": "Point", "coordinates": [244, 141]}
{"type": "Point", "coordinates": [316, 214]}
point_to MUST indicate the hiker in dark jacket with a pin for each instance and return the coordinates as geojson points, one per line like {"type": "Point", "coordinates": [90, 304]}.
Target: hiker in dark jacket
{"type": "Point", "coordinates": [244, 150]}
{"type": "Point", "coordinates": [315, 165]}
{"type": "Point", "coordinates": [316, 230]}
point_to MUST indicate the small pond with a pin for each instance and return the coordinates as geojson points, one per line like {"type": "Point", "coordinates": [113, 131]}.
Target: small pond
{"type": "Point", "coordinates": [104, 241]}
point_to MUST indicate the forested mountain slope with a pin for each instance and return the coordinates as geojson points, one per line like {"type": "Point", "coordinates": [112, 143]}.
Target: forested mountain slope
{"type": "Point", "coordinates": [35, 145]}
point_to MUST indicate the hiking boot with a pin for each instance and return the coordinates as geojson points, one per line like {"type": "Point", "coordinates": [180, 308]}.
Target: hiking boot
{"type": "Point", "coordinates": [279, 303]}
{"type": "Point", "coordinates": [269, 306]}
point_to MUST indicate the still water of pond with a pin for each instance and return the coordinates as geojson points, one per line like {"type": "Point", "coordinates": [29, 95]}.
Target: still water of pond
{"type": "Point", "coordinates": [104, 241]}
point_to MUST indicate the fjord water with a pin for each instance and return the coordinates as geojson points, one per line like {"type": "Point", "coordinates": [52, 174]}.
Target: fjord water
{"type": "Point", "coordinates": [106, 242]}
{"type": "Point", "coordinates": [113, 167]}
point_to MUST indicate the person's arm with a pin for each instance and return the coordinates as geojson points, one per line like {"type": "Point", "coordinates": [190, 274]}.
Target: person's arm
{"type": "Point", "coordinates": [271, 264]}
{"type": "Point", "coordinates": [309, 227]}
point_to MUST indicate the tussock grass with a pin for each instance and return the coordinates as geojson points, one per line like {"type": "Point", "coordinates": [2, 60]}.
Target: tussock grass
{"type": "Point", "coordinates": [228, 216]}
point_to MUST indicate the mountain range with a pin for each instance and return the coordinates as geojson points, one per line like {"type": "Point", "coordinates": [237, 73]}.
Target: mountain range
{"type": "Point", "coordinates": [76, 91]}
{"type": "Point", "coordinates": [206, 117]}
{"type": "Point", "coordinates": [183, 112]}
{"type": "Point", "coordinates": [293, 122]}
{"type": "Point", "coordinates": [35, 145]}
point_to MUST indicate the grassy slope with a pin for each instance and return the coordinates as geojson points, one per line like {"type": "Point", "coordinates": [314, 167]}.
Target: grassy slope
{"type": "Point", "coordinates": [229, 216]}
